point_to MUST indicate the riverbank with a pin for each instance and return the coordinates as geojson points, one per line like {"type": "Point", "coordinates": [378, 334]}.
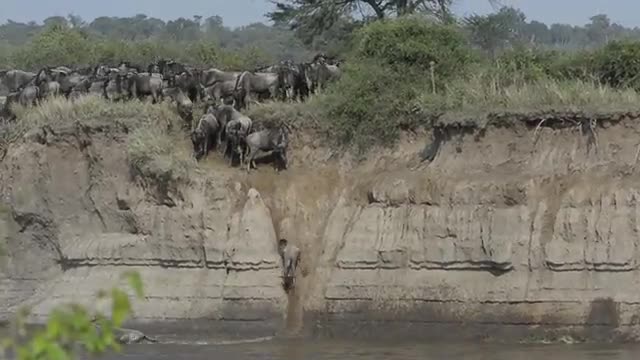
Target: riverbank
{"type": "Point", "coordinates": [508, 228]}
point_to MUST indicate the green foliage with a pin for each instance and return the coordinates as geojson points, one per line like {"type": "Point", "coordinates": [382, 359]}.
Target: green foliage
{"type": "Point", "coordinates": [141, 39]}
{"type": "Point", "coordinates": [56, 45]}
{"type": "Point", "coordinates": [414, 42]}
{"type": "Point", "coordinates": [475, 97]}
{"type": "Point", "coordinates": [618, 64]}
{"type": "Point", "coordinates": [495, 31]}
{"type": "Point", "coordinates": [72, 325]}
{"type": "Point", "coordinates": [388, 69]}
{"type": "Point", "coordinates": [370, 105]}
{"type": "Point", "coordinates": [311, 17]}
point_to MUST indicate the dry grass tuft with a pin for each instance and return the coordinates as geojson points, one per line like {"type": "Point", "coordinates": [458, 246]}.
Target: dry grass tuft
{"type": "Point", "coordinates": [474, 98]}
{"type": "Point", "coordinates": [96, 110]}
{"type": "Point", "coordinates": [294, 114]}
{"type": "Point", "coordinates": [154, 130]}
{"type": "Point", "coordinates": [160, 155]}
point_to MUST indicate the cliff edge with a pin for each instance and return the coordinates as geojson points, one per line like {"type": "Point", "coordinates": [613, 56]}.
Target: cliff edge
{"type": "Point", "coordinates": [517, 225]}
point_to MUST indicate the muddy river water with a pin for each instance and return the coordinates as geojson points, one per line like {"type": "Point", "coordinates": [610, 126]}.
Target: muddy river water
{"type": "Point", "coordinates": [343, 350]}
{"type": "Point", "coordinates": [181, 346]}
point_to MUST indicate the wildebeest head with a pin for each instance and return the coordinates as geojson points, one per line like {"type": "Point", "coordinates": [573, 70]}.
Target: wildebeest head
{"type": "Point", "coordinates": [282, 244]}
{"type": "Point", "coordinates": [43, 75]}
{"type": "Point", "coordinates": [153, 68]}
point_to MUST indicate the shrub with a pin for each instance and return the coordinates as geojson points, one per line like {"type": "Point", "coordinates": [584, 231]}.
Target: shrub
{"type": "Point", "coordinates": [577, 65]}
{"type": "Point", "coordinates": [370, 104]}
{"type": "Point", "coordinates": [387, 70]}
{"type": "Point", "coordinates": [414, 42]}
{"type": "Point", "coordinates": [524, 64]}
{"type": "Point", "coordinates": [618, 64]}
{"type": "Point", "coordinates": [56, 45]}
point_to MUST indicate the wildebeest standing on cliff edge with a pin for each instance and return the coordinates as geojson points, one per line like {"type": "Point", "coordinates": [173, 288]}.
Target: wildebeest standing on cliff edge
{"type": "Point", "coordinates": [267, 142]}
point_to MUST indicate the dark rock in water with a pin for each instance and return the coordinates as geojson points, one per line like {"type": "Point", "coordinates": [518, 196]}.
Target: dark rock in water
{"type": "Point", "coordinates": [130, 336]}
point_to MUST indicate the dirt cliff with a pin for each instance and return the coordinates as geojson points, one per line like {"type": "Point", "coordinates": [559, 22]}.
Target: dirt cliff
{"type": "Point", "coordinates": [506, 225]}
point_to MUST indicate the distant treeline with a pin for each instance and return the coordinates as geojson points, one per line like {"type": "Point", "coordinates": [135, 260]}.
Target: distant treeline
{"type": "Point", "coordinates": [494, 32]}
{"type": "Point", "coordinates": [140, 38]}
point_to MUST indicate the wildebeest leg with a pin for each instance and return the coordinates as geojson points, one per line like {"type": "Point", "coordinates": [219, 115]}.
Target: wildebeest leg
{"type": "Point", "coordinates": [206, 146]}
{"type": "Point", "coordinates": [223, 149]}
{"type": "Point", "coordinates": [229, 152]}
{"type": "Point", "coordinates": [241, 154]}
{"type": "Point", "coordinates": [250, 157]}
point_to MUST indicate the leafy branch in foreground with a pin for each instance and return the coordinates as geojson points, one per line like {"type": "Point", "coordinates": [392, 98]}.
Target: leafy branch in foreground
{"type": "Point", "coordinates": [72, 327]}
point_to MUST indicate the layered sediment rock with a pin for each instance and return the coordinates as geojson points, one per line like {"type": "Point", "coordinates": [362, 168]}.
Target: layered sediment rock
{"type": "Point", "coordinates": [500, 229]}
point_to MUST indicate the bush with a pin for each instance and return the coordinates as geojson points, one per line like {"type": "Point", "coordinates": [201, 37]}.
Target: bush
{"type": "Point", "coordinates": [618, 64]}
{"type": "Point", "coordinates": [56, 45]}
{"type": "Point", "coordinates": [414, 42]}
{"type": "Point", "coordinates": [371, 104]}
{"type": "Point", "coordinates": [387, 70]}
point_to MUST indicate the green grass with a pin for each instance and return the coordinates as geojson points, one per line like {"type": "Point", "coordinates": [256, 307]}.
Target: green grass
{"type": "Point", "coordinates": [348, 115]}
{"type": "Point", "coordinates": [475, 98]}
{"type": "Point", "coordinates": [296, 115]}
{"type": "Point", "coordinates": [365, 121]}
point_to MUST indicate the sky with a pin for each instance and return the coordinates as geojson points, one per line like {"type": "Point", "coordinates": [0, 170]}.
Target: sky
{"type": "Point", "coordinates": [242, 12]}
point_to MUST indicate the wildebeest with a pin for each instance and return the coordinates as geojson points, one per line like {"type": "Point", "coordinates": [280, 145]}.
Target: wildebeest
{"type": "Point", "coordinates": [139, 85]}
{"type": "Point", "coordinates": [290, 256]}
{"type": "Point", "coordinates": [267, 142]}
{"type": "Point", "coordinates": [241, 124]}
{"type": "Point", "coordinates": [248, 84]}
{"type": "Point", "coordinates": [212, 76]}
{"type": "Point", "coordinates": [185, 105]}
{"type": "Point", "coordinates": [205, 135]}
{"type": "Point", "coordinates": [235, 127]}
{"type": "Point", "coordinates": [15, 79]}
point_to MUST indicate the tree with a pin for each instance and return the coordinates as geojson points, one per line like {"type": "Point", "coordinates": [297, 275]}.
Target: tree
{"type": "Point", "coordinates": [75, 21]}
{"type": "Point", "coordinates": [599, 28]}
{"type": "Point", "coordinates": [495, 31]}
{"type": "Point", "coordinates": [537, 32]}
{"type": "Point", "coordinates": [57, 45]}
{"type": "Point", "coordinates": [316, 16]}
{"type": "Point", "coordinates": [55, 20]}
{"type": "Point", "coordinates": [312, 17]}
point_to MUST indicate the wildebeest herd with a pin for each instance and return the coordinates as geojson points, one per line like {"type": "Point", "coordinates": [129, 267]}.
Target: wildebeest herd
{"type": "Point", "coordinates": [224, 94]}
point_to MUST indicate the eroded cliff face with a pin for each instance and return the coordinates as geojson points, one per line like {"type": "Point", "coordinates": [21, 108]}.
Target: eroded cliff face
{"type": "Point", "coordinates": [507, 228]}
